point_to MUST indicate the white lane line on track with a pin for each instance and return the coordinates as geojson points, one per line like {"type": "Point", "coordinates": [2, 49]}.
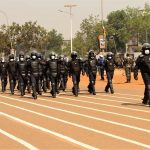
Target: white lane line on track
{"type": "Point", "coordinates": [80, 126]}
{"type": "Point", "coordinates": [89, 108]}
{"type": "Point", "coordinates": [52, 132]}
{"type": "Point", "coordinates": [22, 142]}
{"type": "Point", "coordinates": [104, 104]}
{"type": "Point", "coordinates": [139, 96]}
{"type": "Point", "coordinates": [99, 110]}
{"type": "Point", "coordinates": [103, 99]}
{"type": "Point", "coordinates": [115, 96]}
{"type": "Point", "coordinates": [87, 116]}
{"type": "Point", "coordinates": [128, 94]}
{"type": "Point", "coordinates": [118, 97]}
{"type": "Point", "coordinates": [100, 119]}
{"type": "Point", "coordinates": [100, 98]}
{"type": "Point", "coordinates": [133, 109]}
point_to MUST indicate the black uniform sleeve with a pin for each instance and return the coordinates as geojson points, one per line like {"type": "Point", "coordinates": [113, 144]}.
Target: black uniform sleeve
{"type": "Point", "coordinates": [136, 68]}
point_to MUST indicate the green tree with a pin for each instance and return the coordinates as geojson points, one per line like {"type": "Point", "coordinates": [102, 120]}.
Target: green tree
{"type": "Point", "coordinates": [87, 37]}
{"type": "Point", "coordinates": [54, 41]}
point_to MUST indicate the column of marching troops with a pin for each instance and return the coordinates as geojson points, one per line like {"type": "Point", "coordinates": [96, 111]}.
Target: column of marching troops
{"type": "Point", "coordinates": [35, 74]}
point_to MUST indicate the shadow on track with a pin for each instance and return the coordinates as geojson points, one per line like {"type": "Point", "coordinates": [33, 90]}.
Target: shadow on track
{"type": "Point", "coordinates": [133, 104]}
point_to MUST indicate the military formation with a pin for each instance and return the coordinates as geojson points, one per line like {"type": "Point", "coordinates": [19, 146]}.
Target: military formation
{"type": "Point", "coordinates": [35, 74]}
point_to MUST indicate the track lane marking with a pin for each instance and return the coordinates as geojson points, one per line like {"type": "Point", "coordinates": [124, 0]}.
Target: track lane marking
{"type": "Point", "coordinates": [83, 127]}
{"type": "Point", "coordinates": [115, 94]}
{"type": "Point", "coordinates": [106, 104]}
{"type": "Point", "coordinates": [22, 142]}
{"type": "Point", "coordinates": [51, 132]}
{"type": "Point", "coordinates": [87, 116]}
{"type": "Point", "coordinates": [128, 94]}
{"type": "Point", "coordinates": [101, 103]}
{"type": "Point", "coordinates": [119, 97]}
{"type": "Point", "coordinates": [118, 101]}
{"type": "Point", "coordinates": [99, 110]}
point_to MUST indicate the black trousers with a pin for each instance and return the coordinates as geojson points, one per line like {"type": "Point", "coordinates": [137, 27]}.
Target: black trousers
{"type": "Point", "coordinates": [12, 81]}
{"type": "Point", "coordinates": [92, 79]}
{"type": "Point", "coordinates": [63, 81]}
{"type": "Point", "coordinates": [110, 75]}
{"type": "Point", "coordinates": [76, 81]}
{"type": "Point", "coordinates": [146, 79]}
{"type": "Point", "coordinates": [22, 84]}
{"type": "Point", "coordinates": [54, 82]}
{"type": "Point", "coordinates": [36, 84]}
{"type": "Point", "coordinates": [3, 81]}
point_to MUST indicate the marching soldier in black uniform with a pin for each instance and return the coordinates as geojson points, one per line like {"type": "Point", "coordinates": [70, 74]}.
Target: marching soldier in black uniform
{"type": "Point", "coordinates": [12, 71]}
{"type": "Point", "coordinates": [91, 65]}
{"type": "Point", "coordinates": [75, 68]}
{"type": "Point", "coordinates": [22, 73]}
{"type": "Point", "coordinates": [143, 63]}
{"type": "Point", "coordinates": [28, 75]}
{"type": "Point", "coordinates": [52, 66]}
{"type": "Point", "coordinates": [33, 72]}
{"type": "Point", "coordinates": [44, 67]}
{"type": "Point", "coordinates": [41, 72]}
{"type": "Point", "coordinates": [109, 67]}
{"type": "Point", "coordinates": [63, 73]}
{"type": "Point", "coordinates": [128, 63]}
{"type": "Point", "coordinates": [3, 73]}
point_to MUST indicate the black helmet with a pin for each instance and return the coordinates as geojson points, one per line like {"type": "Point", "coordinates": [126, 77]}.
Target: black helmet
{"type": "Point", "coordinates": [3, 59]}
{"type": "Point", "coordinates": [74, 55]}
{"type": "Point", "coordinates": [127, 55]}
{"type": "Point", "coordinates": [39, 55]}
{"type": "Point", "coordinates": [91, 54]}
{"type": "Point", "coordinates": [52, 55]}
{"type": "Point", "coordinates": [146, 49]}
{"type": "Point", "coordinates": [33, 55]}
{"type": "Point", "coordinates": [109, 55]}
{"type": "Point", "coordinates": [56, 56]}
{"type": "Point", "coordinates": [11, 56]}
{"type": "Point", "coordinates": [61, 57]}
{"type": "Point", "coordinates": [91, 51]}
{"type": "Point", "coordinates": [27, 56]}
{"type": "Point", "coordinates": [21, 54]}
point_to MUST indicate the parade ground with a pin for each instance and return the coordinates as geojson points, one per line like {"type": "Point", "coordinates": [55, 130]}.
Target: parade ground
{"type": "Point", "coordinates": [101, 121]}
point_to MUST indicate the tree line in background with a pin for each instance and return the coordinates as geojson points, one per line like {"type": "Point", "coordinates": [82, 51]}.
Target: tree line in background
{"type": "Point", "coordinates": [130, 25]}
{"type": "Point", "coordinates": [29, 36]}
